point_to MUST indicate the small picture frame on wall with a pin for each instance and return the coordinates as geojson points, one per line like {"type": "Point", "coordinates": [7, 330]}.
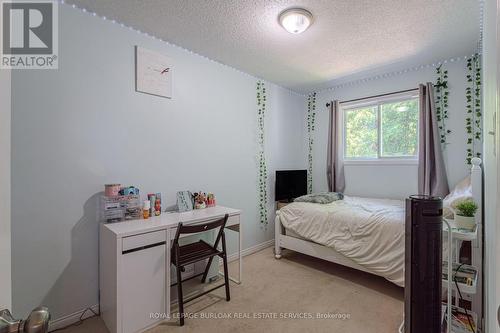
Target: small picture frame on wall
{"type": "Point", "coordinates": [153, 73]}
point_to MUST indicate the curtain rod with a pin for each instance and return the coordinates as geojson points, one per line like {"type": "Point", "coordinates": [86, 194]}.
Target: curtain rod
{"type": "Point", "coordinates": [374, 96]}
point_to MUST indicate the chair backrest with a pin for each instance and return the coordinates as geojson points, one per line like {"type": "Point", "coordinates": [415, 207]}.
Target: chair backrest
{"type": "Point", "coordinates": [202, 227]}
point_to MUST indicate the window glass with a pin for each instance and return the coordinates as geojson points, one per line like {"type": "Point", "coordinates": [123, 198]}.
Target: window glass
{"type": "Point", "coordinates": [361, 133]}
{"type": "Point", "coordinates": [399, 128]}
{"type": "Point", "coordinates": [384, 129]}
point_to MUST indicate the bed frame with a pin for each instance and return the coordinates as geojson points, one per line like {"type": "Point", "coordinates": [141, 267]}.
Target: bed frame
{"type": "Point", "coordinates": [283, 241]}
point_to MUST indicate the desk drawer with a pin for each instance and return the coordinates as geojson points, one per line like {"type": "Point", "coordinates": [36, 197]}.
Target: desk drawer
{"type": "Point", "coordinates": [143, 240]}
{"type": "Point", "coordinates": [232, 220]}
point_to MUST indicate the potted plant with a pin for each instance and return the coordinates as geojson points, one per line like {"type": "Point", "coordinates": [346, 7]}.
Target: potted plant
{"type": "Point", "coordinates": [464, 214]}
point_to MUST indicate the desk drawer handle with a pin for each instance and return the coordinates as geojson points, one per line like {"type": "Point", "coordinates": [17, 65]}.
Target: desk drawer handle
{"type": "Point", "coordinates": [144, 247]}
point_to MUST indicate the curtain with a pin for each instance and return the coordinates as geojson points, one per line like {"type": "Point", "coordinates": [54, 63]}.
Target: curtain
{"type": "Point", "coordinates": [334, 168]}
{"type": "Point", "coordinates": [432, 179]}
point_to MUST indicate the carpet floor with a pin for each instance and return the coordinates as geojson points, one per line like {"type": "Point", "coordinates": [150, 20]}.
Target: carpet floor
{"type": "Point", "coordinates": [297, 293]}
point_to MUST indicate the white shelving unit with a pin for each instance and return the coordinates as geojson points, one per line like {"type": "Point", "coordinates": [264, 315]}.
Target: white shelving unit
{"type": "Point", "coordinates": [455, 239]}
{"type": "Point", "coordinates": [460, 234]}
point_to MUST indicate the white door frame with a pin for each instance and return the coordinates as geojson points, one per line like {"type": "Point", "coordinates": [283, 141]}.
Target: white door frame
{"type": "Point", "coordinates": [491, 80]}
{"type": "Point", "coordinates": [5, 217]}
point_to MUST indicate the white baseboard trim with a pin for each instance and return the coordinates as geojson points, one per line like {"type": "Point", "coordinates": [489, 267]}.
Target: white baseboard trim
{"type": "Point", "coordinates": [72, 318]}
{"type": "Point", "coordinates": [75, 317]}
{"type": "Point", "coordinates": [251, 250]}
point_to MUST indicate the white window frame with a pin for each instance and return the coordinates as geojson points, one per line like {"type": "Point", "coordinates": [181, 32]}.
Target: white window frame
{"type": "Point", "coordinates": [379, 160]}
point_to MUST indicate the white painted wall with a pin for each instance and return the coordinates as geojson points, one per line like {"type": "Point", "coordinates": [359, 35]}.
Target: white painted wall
{"type": "Point", "coordinates": [491, 77]}
{"type": "Point", "coordinates": [79, 127]}
{"type": "Point", "coordinates": [393, 181]}
{"type": "Point", "coordinates": [5, 234]}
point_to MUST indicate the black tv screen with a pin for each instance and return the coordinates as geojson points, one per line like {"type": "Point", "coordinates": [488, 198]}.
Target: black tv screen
{"type": "Point", "coordinates": [290, 184]}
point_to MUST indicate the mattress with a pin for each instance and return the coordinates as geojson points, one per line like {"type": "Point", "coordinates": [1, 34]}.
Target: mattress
{"type": "Point", "coordinates": [368, 231]}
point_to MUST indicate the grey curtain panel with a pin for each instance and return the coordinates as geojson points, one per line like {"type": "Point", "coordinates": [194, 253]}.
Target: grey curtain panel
{"type": "Point", "coordinates": [432, 179]}
{"type": "Point", "coordinates": [334, 168]}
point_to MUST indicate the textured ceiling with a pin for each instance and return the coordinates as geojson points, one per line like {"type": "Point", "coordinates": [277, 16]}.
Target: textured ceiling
{"type": "Point", "coordinates": [347, 36]}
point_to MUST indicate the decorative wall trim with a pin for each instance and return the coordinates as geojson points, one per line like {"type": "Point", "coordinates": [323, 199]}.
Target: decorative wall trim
{"type": "Point", "coordinates": [394, 73]}
{"type": "Point", "coordinates": [473, 93]}
{"type": "Point", "coordinates": [311, 124]}
{"type": "Point", "coordinates": [481, 27]}
{"type": "Point", "coordinates": [261, 154]}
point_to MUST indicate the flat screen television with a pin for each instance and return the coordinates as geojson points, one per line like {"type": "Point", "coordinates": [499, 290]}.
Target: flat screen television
{"type": "Point", "coordinates": [290, 184]}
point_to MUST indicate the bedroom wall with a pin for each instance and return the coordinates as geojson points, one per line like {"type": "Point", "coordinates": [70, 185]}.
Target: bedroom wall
{"type": "Point", "coordinates": [5, 221]}
{"type": "Point", "coordinates": [394, 181]}
{"type": "Point", "coordinates": [79, 127]}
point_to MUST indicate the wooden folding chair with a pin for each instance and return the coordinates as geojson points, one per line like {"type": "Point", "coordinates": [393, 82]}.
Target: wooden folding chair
{"type": "Point", "coordinates": [194, 252]}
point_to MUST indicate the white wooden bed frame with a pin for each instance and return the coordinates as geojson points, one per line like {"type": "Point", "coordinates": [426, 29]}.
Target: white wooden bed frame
{"type": "Point", "coordinates": [283, 241]}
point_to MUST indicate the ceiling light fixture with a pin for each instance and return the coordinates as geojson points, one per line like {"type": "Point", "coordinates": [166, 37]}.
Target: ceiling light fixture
{"type": "Point", "coordinates": [295, 20]}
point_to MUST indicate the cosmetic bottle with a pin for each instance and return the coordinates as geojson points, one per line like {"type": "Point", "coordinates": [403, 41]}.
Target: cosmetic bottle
{"type": "Point", "coordinates": [145, 209]}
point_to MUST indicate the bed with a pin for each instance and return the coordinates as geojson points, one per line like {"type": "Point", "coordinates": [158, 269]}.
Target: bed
{"type": "Point", "coordinates": [366, 234]}
{"type": "Point", "coordinates": [366, 231]}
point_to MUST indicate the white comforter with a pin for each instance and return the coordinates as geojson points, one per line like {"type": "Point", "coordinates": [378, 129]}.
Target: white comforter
{"type": "Point", "coordinates": [368, 231]}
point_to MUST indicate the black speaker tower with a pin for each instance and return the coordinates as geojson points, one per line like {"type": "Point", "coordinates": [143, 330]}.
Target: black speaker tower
{"type": "Point", "coordinates": [423, 264]}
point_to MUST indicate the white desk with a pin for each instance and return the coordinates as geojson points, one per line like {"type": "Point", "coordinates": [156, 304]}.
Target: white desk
{"type": "Point", "coordinates": [145, 244]}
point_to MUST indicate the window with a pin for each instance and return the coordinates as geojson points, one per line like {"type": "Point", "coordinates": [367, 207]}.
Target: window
{"type": "Point", "coordinates": [381, 129]}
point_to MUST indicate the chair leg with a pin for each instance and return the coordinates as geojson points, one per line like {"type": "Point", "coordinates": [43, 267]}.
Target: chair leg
{"type": "Point", "coordinates": [226, 271]}
{"type": "Point", "coordinates": [226, 278]}
{"type": "Point", "coordinates": [180, 298]}
{"type": "Point", "coordinates": [204, 278]}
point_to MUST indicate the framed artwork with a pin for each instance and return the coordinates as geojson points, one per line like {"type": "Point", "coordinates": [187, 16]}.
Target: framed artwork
{"type": "Point", "coordinates": [184, 201]}
{"type": "Point", "coordinates": [153, 73]}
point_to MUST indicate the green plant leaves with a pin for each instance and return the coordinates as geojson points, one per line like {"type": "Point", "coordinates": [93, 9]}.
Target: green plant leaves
{"type": "Point", "coordinates": [441, 101]}
{"type": "Point", "coordinates": [261, 156]}
{"type": "Point", "coordinates": [473, 124]}
{"type": "Point", "coordinates": [311, 124]}
{"type": "Point", "coordinates": [466, 208]}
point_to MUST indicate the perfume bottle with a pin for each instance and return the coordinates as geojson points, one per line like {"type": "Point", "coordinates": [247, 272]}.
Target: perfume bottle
{"type": "Point", "coordinates": [145, 209]}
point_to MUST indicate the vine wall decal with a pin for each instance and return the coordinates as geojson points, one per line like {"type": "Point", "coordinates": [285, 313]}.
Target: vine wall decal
{"type": "Point", "coordinates": [311, 120]}
{"type": "Point", "coordinates": [442, 94]}
{"type": "Point", "coordinates": [473, 123]}
{"type": "Point", "coordinates": [262, 172]}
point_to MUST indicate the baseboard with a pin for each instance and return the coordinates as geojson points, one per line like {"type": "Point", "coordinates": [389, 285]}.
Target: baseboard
{"type": "Point", "coordinates": [72, 318]}
{"type": "Point", "coordinates": [251, 250]}
{"type": "Point", "coordinates": [75, 317]}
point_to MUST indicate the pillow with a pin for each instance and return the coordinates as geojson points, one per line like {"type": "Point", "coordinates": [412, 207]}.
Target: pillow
{"type": "Point", "coordinates": [461, 192]}
{"type": "Point", "coordinates": [321, 198]}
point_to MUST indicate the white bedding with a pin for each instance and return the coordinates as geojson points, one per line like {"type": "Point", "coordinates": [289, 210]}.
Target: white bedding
{"type": "Point", "coordinates": [368, 231]}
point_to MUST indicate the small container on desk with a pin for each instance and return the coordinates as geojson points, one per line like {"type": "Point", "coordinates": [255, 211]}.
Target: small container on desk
{"type": "Point", "coordinates": [121, 208]}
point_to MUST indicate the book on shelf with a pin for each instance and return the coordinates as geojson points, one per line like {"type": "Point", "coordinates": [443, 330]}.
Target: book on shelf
{"type": "Point", "coordinates": [465, 275]}
{"type": "Point", "coordinates": [462, 321]}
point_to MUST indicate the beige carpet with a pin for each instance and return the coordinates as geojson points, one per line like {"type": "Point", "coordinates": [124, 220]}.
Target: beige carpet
{"type": "Point", "coordinates": [296, 285]}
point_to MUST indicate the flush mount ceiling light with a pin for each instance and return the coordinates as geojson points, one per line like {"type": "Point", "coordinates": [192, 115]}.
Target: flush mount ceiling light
{"type": "Point", "coordinates": [295, 20]}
